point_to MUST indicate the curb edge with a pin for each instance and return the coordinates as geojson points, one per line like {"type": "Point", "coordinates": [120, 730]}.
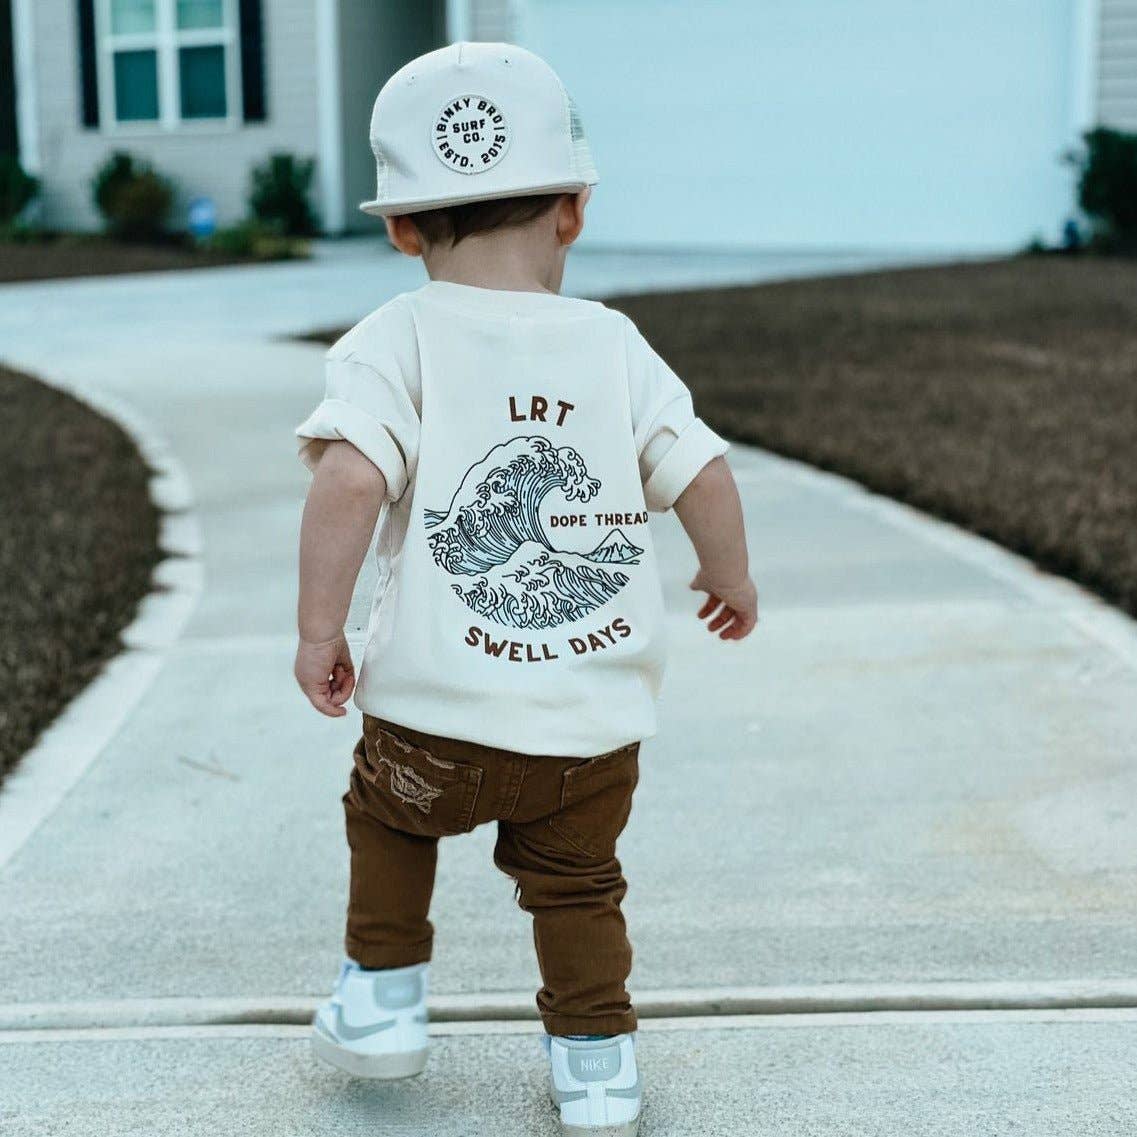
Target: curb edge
{"type": "Point", "coordinates": [69, 745]}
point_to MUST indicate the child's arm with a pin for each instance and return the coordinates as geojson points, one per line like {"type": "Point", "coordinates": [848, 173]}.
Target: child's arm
{"type": "Point", "coordinates": [343, 504]}
{"type": "Point", "coordinates": [711, 512]}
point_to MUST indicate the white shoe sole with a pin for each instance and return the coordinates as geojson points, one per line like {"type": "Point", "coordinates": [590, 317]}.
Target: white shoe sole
{"type": "Point", "coordinates": [384, 1067]}
{"type": "Point", "coordinates": [627, 1129]}
{"type": "Point", "coordinates": [623, 1129]}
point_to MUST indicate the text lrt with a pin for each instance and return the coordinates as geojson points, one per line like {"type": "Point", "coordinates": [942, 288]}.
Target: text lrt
{"type": "Point", "coordinates": [538, 409]}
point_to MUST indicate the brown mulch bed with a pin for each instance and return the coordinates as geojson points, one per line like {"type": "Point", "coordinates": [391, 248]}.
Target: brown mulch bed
{"type": "Point", "coordinates": [1001, 396]}
{"type": "Point", "coordinates": [67, 256]}
{"type": "Point", "coordinates": [80, 539]}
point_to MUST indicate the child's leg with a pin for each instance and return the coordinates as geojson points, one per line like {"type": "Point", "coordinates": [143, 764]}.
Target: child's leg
{"type": "Point", "coordinates": [403, 797]}
{"type": "Point", "coordinates": [570, 882]}
{"type": "Point", "coordinates": [392, 878]}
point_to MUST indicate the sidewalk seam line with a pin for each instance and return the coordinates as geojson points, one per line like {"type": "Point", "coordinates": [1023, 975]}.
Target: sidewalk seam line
{"type": "Point", "coordinates": [947, 997]}
{"type": "Point", "coordinates": [829, 1019]}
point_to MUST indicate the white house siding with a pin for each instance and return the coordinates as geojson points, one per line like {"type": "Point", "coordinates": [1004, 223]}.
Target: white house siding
{"type": "Point", "coordinates": [198, 159]}
{"type": "Point", "coordinates": [1117, 71]}
{"type": "Point", "coordinates": [827, 124]}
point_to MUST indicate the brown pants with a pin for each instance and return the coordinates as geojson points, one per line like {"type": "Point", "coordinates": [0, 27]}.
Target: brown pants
{"type": "Point", "coordinates": [557, 824]}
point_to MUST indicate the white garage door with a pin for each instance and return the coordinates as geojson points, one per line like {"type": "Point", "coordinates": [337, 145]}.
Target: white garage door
{"type": "Point", "coordinates": [820, 123]}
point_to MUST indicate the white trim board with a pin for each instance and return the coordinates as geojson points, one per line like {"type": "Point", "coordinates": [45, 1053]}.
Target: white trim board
{"type": "Point", "coordinates": [1085, 62]}
{"type": "Point", "coordinates": [457, 20]}
{"type": "Point", "coordinates": [27, 103]}
{"type": "Point", "coordinates": [329, 95]}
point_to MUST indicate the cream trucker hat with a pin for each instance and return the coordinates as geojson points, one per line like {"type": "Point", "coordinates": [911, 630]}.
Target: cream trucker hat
{"type": "Point", "coordinates": [473, 122]}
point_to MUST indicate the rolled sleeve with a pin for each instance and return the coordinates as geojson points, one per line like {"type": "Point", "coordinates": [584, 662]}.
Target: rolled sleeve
{"type": "Point", "coordinates": [371, 411]}
{"type": "Point", "coordinates": [672, 443]}
{"type": "Point", "coordinates": [335, 420]}
{"type": "Point", "coordinates": [691, 450]}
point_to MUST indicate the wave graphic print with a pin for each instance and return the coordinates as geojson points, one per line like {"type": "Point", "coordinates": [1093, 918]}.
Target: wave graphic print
{"type": "Point", "coordinates": [492, 535]}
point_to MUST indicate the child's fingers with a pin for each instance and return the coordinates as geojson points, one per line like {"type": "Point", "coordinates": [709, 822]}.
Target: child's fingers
{"type": "Point", "coordinates": [320, 696]}
{"type": "Point", "coordinates": [733, 631]}
{"type": "Point", "coordinates": [722, 619]}
{"type": "Point", "coordinates": [325, 674]}
{"type": "Point", "coordinates": [729, 630]}
{"type": "Point", "coordinates": [343, 684]}
{"type": "Point", "coordinates": [709, 605]}
{"type": "Point", "coordinates": [322, 701]}
{"type": "Point", "coordinates": [742, 625]}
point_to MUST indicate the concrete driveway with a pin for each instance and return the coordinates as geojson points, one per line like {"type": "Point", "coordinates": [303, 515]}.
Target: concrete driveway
{"type": "Point", "coordinates": [883, 863]}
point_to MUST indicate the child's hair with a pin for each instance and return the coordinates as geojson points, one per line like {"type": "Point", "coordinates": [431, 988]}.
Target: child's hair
{"type": "Point", "coordinates": [452, 223]}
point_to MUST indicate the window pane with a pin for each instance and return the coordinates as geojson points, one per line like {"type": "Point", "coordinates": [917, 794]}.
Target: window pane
{"type": "Point", "coordinates": [136, 86]}
{"type": "Point", "coordinates": [200, 13]}
{"type": "Point", "coordinates": [132, 16]}
{"type": "Point", "coordinates": [202, 82]}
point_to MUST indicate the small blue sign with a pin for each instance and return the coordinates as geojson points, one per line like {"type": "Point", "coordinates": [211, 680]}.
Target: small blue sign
{"type": "Point", "coordinates": [201, 219]}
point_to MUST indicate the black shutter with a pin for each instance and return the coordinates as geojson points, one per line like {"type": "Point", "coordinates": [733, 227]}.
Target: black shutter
{"type": "Point", "coordinates": [88, 76]}
{"type": "Point", "coordinates": [252, 61]}
{"type": "Point", "coordinates": [9, 143]}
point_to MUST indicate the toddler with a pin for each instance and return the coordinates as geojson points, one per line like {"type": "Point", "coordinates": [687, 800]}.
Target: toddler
{"type": "Point", "coordinates": [514, 441]}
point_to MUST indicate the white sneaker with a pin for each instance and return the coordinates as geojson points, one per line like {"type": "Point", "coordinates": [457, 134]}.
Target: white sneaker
{"type": "Point", "coordinates": [595, 1085]}
{"type": "Point", "coordinates": [374, 1025]}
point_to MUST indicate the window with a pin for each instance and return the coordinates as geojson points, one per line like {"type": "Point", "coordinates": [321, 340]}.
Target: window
{"type": "Point", "coordinates": [168, 63]}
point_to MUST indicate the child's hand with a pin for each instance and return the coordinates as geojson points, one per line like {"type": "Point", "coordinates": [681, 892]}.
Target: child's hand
{"type": "Point", "coordinates": [736, 607]}
{"type": "Point", "coordinates": [326, 675]}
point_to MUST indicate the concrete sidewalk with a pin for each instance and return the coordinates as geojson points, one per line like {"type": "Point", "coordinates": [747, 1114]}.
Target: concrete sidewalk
{"type": "Point", "coordinates": [921, 770]}
{"type": "Point", "coordinates": [935, 1078]}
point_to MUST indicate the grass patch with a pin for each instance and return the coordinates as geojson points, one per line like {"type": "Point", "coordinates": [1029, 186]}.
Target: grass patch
{"type": "Point", "coordinates": [80, 542]}
{"type": "Point", "coordinates": [1001, 396]}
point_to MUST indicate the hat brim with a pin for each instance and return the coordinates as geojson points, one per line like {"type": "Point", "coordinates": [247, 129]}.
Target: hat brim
{"type": "Point", "coordinates": [417, 205]}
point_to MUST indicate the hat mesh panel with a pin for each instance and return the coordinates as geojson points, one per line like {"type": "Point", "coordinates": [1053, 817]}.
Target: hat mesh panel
{"type": "Point", "coordinates": [581, 154]}
{"type": "Point", "coordinates": [381, 169]}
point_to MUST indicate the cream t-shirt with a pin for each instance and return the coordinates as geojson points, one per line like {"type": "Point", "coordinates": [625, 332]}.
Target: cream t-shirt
{"type": "Point", "coordinates": [524, 437]}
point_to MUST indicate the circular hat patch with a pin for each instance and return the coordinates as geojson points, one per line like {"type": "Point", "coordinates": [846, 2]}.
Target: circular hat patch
{"type": "Point", "coordinates": [470, 134]}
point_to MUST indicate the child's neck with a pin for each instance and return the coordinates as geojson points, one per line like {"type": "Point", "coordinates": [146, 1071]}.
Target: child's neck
{"type": "Point", "coordinates": [508, 260]}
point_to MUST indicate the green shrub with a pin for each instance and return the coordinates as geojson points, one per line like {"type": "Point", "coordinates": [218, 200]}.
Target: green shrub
{"type": "Point", "coordinates": [256, 241]}
{"type": "Point", "coordinates": [1107, 189]}
{"type": "Point", "coordinates": [19, 233]}
{"type": "Point", "coordinates": [280, 194]}
{"type": "Point", "coordinates": [109, 179]}
{"type": "Point", "coordinates": [17, 188]}
{"type": "Point", "coordinates": [132, 197]}
{"type": "Point", "coordinates": [234, 241]}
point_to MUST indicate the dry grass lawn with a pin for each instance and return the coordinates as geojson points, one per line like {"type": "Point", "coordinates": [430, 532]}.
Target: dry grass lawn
{"type": "Point", "coordinates": [1000, 396]}
{"type": "Point", "coordinates": [80, 538]}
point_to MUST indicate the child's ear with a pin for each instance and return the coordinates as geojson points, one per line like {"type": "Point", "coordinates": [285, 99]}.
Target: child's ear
{"type": "Point", "coordinates": [570, 215]}
{"type": "Point", "coordinates": [403, 234]}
